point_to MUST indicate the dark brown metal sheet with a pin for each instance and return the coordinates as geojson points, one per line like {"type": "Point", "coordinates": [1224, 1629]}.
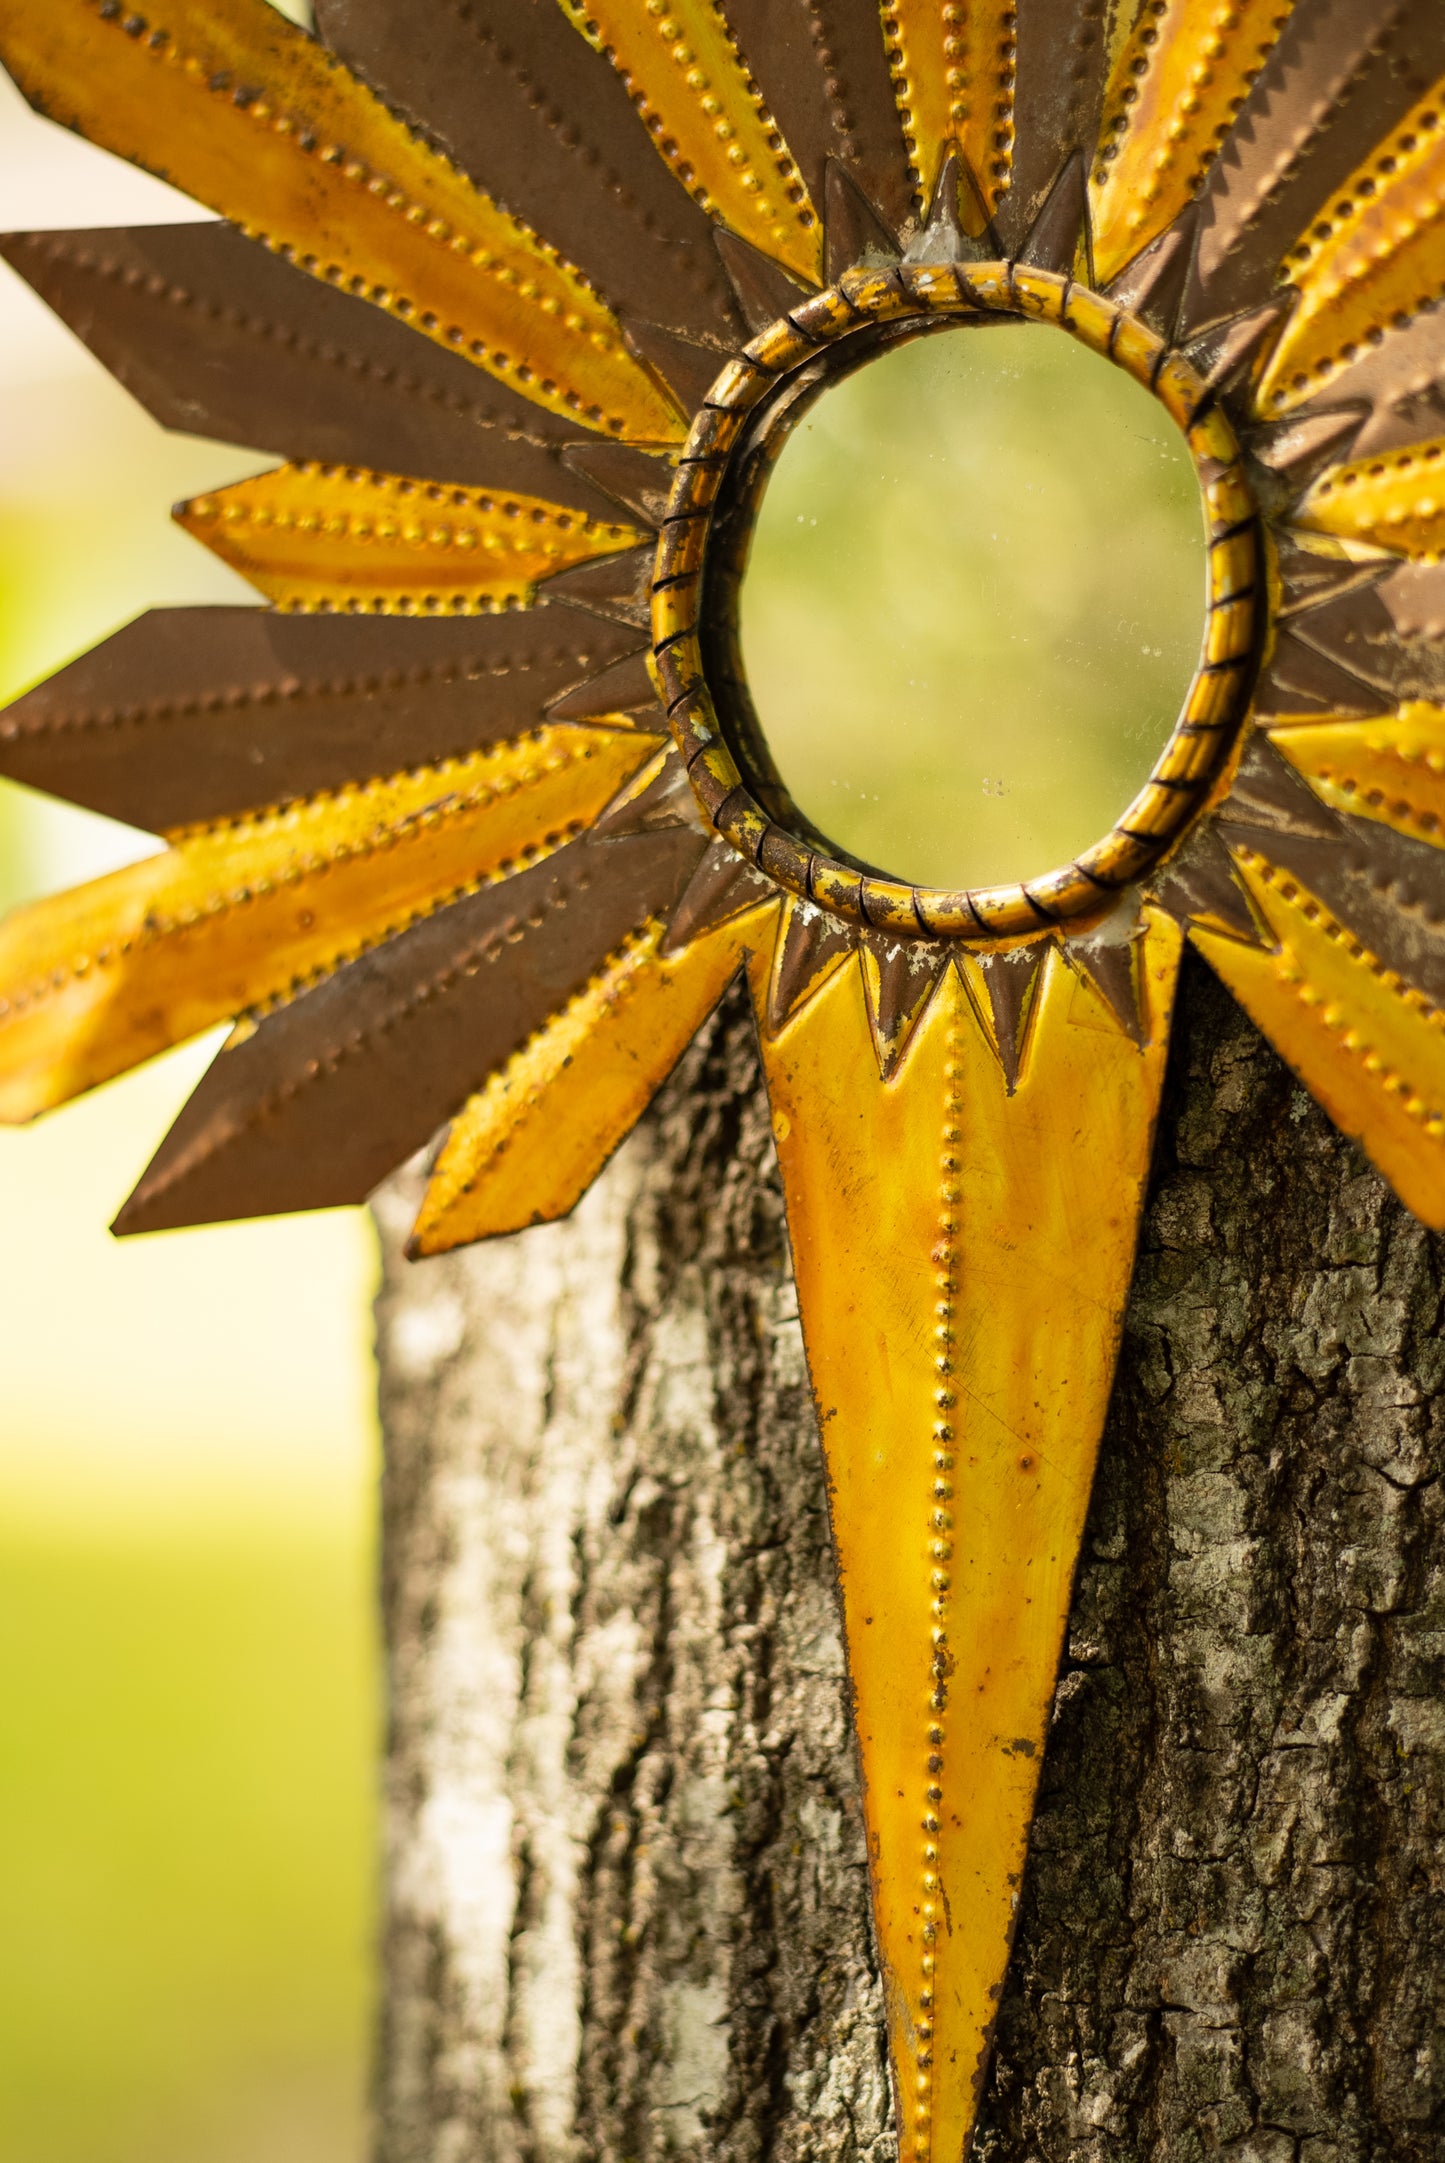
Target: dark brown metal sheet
{"type": "Point", "coordinates": [822, 68]}
{"type": "Point", "coordinates": [625, 686]}
{"type": "Point", "coordinates": [1109, 965]}
{"type": "Point", "coordinates": [520, 100]}
{"type": "Point", "coordinates": [1058, 92]}
{"type": "Point", "coordinates": [1200, 883]}
{"type": "Point", "coordinates": [1299, 678]}
{"type": "Point", "coordinates": [191, 714]}
{"type": "Point", "coordinates": [1010, 978]}
{"type": "Point", "coordinates": [1356, 631]}
{"type": "Point", "coordinates": [1341, 75]}
{"type": "Point", "coordinates": [1414, 597]}
{"type": "Point", "coordinates": [1052, 241]}
{"type": "Point", "coordinates": [853, 232]}
{"type": "Point", "coordinates": [333, 1091]}
{"type": "Point", "coordinates": [618, 586]}
{"type": "Point", "coordinates": [1401, 382]}
{"type": "Point", "coordinates": [812, 945]}
{"type": "Point", "coordinates": [1269, 797]}
{"type": "Point", "coordinates": [689, 369]}
{"type": "Point", "coordinates": [763, 288]}
{"type": "Point", "coordinates": [1152, 286]}
{"type": "Point", "coordinates": [898, 987]}
{"type": "Point", "coordinates": [641, 481]}
{"type": "Point", "coordinates": [660, 797]}
{"type": "Point", "coordinates": [1300, 448]}
{"type": "Point", "coordinates": [216, 335]}
{"type": "Point", "coordinates": [722, 886]}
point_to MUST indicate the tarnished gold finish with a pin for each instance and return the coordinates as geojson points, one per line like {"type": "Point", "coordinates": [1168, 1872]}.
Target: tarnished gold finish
{"type": "Point", "coordinates": [259, 122]}
{"type": "Point", "coordinates": [331, 537]}
{"type": "Point", "coordinates": [1392, 769]}
{"type": "Point", "coordinates": [708, 120]}
{"type": "Point", "coordinates": [1365, 1042]}
{"type": "Point", "coordinates": [1369, 261]}
{"type": "Point", "coordinates": [1176, 84]}
{"type": "Point", "coordinates": [953, 67]}
{"type": "Point", "coordinates": [526, 1147]}
{"type": "Point", "coordinates": [962, 1256]}
{"type": "Point", "coordinates": [1395, 501]}
{"type": "Point", "coordinates": [687, 583]}
{"type": "Point", "coordinates": [235, 916]}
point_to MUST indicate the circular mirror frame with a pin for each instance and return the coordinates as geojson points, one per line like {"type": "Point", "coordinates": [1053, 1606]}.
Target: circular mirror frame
{"type": "Point", "coordinates": [722, 472]}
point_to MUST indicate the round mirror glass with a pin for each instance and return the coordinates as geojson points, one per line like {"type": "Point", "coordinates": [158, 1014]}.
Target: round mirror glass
{"type": "Point", "coordinates": [974, 603]}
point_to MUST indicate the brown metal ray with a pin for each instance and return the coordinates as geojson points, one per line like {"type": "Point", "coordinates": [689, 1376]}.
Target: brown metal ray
{"type": "Point", "coordinates": [1391, 769]}
{"type": "Point", "coordinates": [262, 124]}
{"type": "Point", "coordinates": [962, 1257]}
{"type": "Point", "coordinates": [810, 947]}
{"type": "Point", "coordinates": [686, 367]}
{"type": "Point", "coordinates": [321, 1099]}
{"type": "Point", "coordinates": [1223, 353]}
{"type": "Point", "coordinates": [1268, 796]}
{"type": "Point", "coordinates": [1356, 632]}
{"type": "Point", "coordinates": [1152, 284]}
{"type": "Point", "coordinates": [1298, 677]}
{"type": "Point", "coordinates": [192, 714]}
{"type": "Point", "coordinates": [953, 77]}
{"type": "Point", "coordinates": [822, 68]}
{"type": "Point", "coordinates": [657, 797]}
{"type": "Point", "coordinates": [899, 979]}
{"type": "Point", "coordinates": [763, 288]}
{"type": "Point", "coordinates": [1300, 448]}
{"type": "Point", "coordinates": [721, 886]}
{"type": "Point", "coordinates": [1059, 74]}
{"type": "Point", "coordinates": [1199, 886]}
{"type": "Point", "coordinates": [1111, 965]}
{"type": "Point", "coordinates": [636, 479]}
{"type": "Point", "coordinates": [1009, 980]}
{"type": "Point", "coordinates": [618, 587]}
{"type": "Point", "coordinates": [625, 686]}
{"type": "Point", "coordinates": [542, 122]}
{"type": "Point", "coordinates": [1054, 239]}
{"type": "Point", "coordinates": [853, 232]}
{"type": "Point", "coordinates": [1400, 382]}
{"type": "Point", "coordinates": [219, 336]}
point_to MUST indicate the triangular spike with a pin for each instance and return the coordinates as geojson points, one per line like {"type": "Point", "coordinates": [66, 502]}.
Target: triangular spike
{"type": "Point", "coordinates": [1052, 242]}
{"type": "Point", "coordinates": [721, 887]}
{"type": "Point", "coordinates": [617, 586]}
{"type": "Point", "coordinates": [853, 231]}
{"type": "Point", "coordinates": [1299, 678]}
{"type": "Point", "coordinates": [958, 228]}
{"type": "Point", "coordinates": [1269, 796]}
{"type": "Point", "coordinates": [689, 369]}
{"type": "Point", "coordinates": [1199, 886]}
{"type": "Point", "coordinates": [763, 288]}
{"type": "Point", "coordinates": [1300, 449]}
{"type": "Point", "coordinates": [900, 977]}
{"type": "Point", "coordinates": [1152, 286]}
{"type": "Point", "coordinates": [1222, 353]}
{"type": "Point", "coordinates": [641, 481]}
{"type": "Point", "coordinates": [811, 947]}
{"type": "Point", "coordinates": [1111, 966]}
{"type": "Point", "coordinates": [660, 796]}
{"type": "Point", "coordinates": [625, 687]}
{"type": "Point", "coordinates": [1308, 581]}
{"type": "Point", "coordinates": [1010, 979]}
{"type": "Point", "coordinates": [1356, 632]}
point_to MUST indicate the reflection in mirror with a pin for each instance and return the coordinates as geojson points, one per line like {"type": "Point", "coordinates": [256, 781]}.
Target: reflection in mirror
{"type": "Point", "coordinates": [974, 603]}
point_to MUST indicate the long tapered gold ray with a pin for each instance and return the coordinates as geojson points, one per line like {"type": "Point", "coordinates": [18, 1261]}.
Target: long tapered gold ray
{"type": "Point", "coordinates": [1369, 260]}
{"type": "Point", "coordinates": [528, 1146]}
{"type": "Point", "coordinates": [953, 77]}
{"type": "Point", "coordinates": [258, 121]}
{"type": "Point", "coordinates": [962, 1255]}
{"type": "Point", "coordinates": [244, 913]}
{"type": "Point", "coordinates": [1177, 82]}
{"type": "Point", "coordinates": [1391, 769]}
{"type": "Point", "coordinates": [314, 536]}
{"type": "Point", "coordinates": [690, 85]}
{"type": "Point", "coordinates": [1395, 500]}
{"type": "Point", "coordinates": [1369, 1046]}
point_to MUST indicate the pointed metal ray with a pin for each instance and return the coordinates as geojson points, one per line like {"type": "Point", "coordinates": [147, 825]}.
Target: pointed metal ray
{"type": "Point", "coordinates": [525, 1148]}
{"type": "Point", "coordinates": [822, 69]}
{"type": "Point", "coordinates": [688, 369]}
{"type": "Point", "coordinates": [1356, 631]}
{"type": "Point", "coordinates": [325, 1096]}
{"type": "Point", "coordinates": [1401, 383]}
{"type": "Point", "coordinates": [899, 979]}
{"type": "Point", "coordinates": [1199, 886]}
{"type": "Point", "coordinates": [1054, 239]}
{"type": "Point", "coordinates": [333, 537]}
{"type": "Point", "coordinates": [261, 124]}
{"type": "Point", "coordinates": [1010, 979]}
{"type": "Point", "coordinates": [235, 916]}
{"type": "Point", "coordinates": [681, 68]}
{"type": "Point", "coordinates": [953, 76]}
{"type": "Point", "coordinates": [1111, 965]}
{"type": "Point", "coordinates": [1391, 769]}
{"type": "Point", "coordinates": [1267, 795]}
{"type": "Point", "coordinates": [810, 947]}
{"type": "Point", "coordinates": [542, 122]}
{"type": "Point", "coordinates": [618, 587]}
{"type": "Point", "coordinates": [657, 797]}
{"type": "Point", "coordinates": [193, 714]}
{"type": "Point", "coordinates": [216, 335]}
{"type": "Point", "coordinates": [637, 480]}
{"type": "Point", "coordinates": [624, 687]}
{"type": "Point", "coordinates": [1299, 677]}
{"type": "Point", "coordinates": [1178, 80]}
{"type": "Point", "coordinates": [1222, 353]}
{"type": "Point", "coordinates": [1152, 285]}
{"type": "Point", "coordinates": [1301, 448]}
{"type": "Point", "coordinates": [853, 232]}
{"type": "Point", "coordinates": [1059, 74]}
{"type": "Point", "coordinates": [962, 1257]}
{"type": "Point", "coordinates": [957, 227]}
{"type": "Point", "coordinates": [1367, 1046]}
{"type": "Point", "coordinates": [764, 291]}
{"type": "Point", "coordinates": [722, 886]}
{"type": "Point", "coordinates": [1308, 581]}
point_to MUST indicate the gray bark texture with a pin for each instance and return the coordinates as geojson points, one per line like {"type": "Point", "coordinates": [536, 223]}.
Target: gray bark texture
{"type": "Point", "coordinates": [626, 1897]}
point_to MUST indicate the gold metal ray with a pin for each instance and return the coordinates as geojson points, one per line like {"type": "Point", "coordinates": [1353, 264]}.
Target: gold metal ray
{"type": "Point", "coordinates": [1370, 259]}
{"type": "Point", "coordinates": [962, 1255]}
{"type": "Point", "coordinates": [1394, 501]}
{"type": "Point", "coordinates": [527, 1147]}
{"type": "Point", "coordinates": [1367, 1045]}
{"type": "Point", "coordinates": [953, 78]}
{"type": "Point", "coordinates": [1391, 769]}
{"type": "Point", "coordinates": [707, 118]}
{"type": "Point", "coordinates": [1177, 81]}
{"type": "Point", "coordinates": [239, 915]}
{"type": "Point", "coordinates": [258, 121]}
{"type": "Point", "coordinates": [333, 537]}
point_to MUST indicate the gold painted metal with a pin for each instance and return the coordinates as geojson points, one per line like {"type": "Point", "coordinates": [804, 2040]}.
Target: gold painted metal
{"type": "Point", "coordinates": [1365, 1043]}
{"type": "Point", "coordinates": [687, 584]}
{"type": "Point", "coordinates": [332, 537]}
{"type": "Point", "coordinates": [1394, 501]}
{"type": "Point", "coordinates": [1370, 260]}
{"type": "Point", "coordinates": [257, 120]}
{"type": "Point", "coordinates": [528, 1146]}
{"type": "Point", "coordinates": [962, 1257]}
{"type": "Point", "coordinates": [1177, 82]}
{"type": "Point", "coordinates": [1391, 770]}
{"type": "Point", "coordinates": [707, 118]}
{"type": "Point", "coordinates": [953, 68]}
{"type": "Point", "coordinates": [234, 917]}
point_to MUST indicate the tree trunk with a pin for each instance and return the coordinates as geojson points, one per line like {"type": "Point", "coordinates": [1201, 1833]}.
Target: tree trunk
{"type": "Point", "coordinates": [627, 1910]}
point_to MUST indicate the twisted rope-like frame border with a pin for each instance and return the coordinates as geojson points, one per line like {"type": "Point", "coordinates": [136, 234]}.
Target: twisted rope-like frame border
{"type": "Point", "coordinates": [1214, 710]}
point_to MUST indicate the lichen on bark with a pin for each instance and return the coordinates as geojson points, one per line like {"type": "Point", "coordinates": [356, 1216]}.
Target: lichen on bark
{"type": "Point", "coordinates": [626, 1901]}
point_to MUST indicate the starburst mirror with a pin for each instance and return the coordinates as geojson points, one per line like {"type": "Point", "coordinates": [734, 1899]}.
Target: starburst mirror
{"type": "Point", "coordinates": [472, 827]}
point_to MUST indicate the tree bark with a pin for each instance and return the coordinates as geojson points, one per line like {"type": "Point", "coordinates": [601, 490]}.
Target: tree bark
{"type": "Point", "coordinates": [626, 1896]}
